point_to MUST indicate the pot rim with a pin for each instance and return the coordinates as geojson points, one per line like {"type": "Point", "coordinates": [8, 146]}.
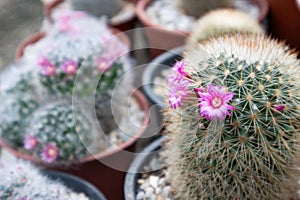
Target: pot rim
{"type": "Point", "coordinates": [263, 6]}
{"type": "Point", "coordinates": [35, 37]}
{"type": "Point", "coordinates": [137, 165]}
{"type": "Point", "coordinates": [63, 177]}
{"type": "Point", "coordinates": [143, 104]}
{"type": "Point", "coordinates": [48, 9]}
{"type": "Point", "coordinates": [149, 73]}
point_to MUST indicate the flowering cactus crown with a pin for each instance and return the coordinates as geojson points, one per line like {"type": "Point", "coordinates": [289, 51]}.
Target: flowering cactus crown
{"type": "Point", "coordinates": [235, 119]}
{"type": "Point", "coordinates": [81, 59]}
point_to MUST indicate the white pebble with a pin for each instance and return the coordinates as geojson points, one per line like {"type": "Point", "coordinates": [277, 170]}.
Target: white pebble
{"type": "Point", "coordinates": [153, 180]}
{"type": "Point", "coordinates": [166, 191]}
{"type": "Point", "coordinates": [140, 196]}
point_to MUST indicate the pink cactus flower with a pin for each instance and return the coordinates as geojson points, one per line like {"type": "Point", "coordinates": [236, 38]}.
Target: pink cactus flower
{"type": "Point", "coordinates": [103, 63]}
{"type": "Point", "coordinates": [44, 61]}
{"type": "Point", "coordinates": [64, 26]}
{"type": "Point", "coordinates": [179, 67]}
{"type": "Point", "coordinates": [178, 90]}
{"type": "Point", "coordinates": [214, 102]}
{"type": "Point", "coordinates": [49, 153]}
{"type": "Point", "coordinates": [48, 71]}
{"type": "Point", "coordinates": [279, 107]}
{"type": "Point", "coordinates": [70, 67]}
{"type": "Point", "coordinates": [30, 142]}
{"type": "Point", "coordinates": [48, 68]}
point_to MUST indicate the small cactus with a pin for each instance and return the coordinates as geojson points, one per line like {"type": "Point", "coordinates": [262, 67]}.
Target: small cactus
{"type": "Point", "coordinates": [223, 21]}
{"type": "Point", "coordinates": [62, 128]}
{"type": "Point", "coordinates": [86, 62]}
{"type": "Point", "coordinates": [234, 125]}
{"type": "Point", "coordinates": [197, 8]}
{"type": "Point", "coordinates": [56, 132]}
{"type": "Point", "coordinates": [21, 181]}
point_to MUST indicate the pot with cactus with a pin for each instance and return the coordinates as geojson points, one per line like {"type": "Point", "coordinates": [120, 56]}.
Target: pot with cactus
{"type": "Point", "coordinates": [232, 129]}
{"type": "Point", "coordinates": [120, 14]}
{"type": "Point", "coordinates": [67, 105]}
{"type": "Point", "coordinates": [21, 180]}
{"type": "Point", "coordinates": [169, 27]}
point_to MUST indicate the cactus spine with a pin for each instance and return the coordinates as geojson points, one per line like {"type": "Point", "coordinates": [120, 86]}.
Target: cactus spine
{"type": "Point", "coordinates": [252, 154]}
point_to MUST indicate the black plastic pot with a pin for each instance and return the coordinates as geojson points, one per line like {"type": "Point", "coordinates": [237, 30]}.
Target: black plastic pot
{"type": "Point", "coordinates": [143, 158]}
{"type": "Point", "coordinates": [155, 69]}
{"type": "Point", "coordinates": [76, 184]}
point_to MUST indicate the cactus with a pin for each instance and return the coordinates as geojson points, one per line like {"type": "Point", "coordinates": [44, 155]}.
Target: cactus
{"type": "Point", "coordinates": [197, 8]}
{"type": "Point", "coordinates": [57, 132]}
{"type": "Point", "coordinates": [21, 181]}
{"type": "Point", "coordinates": [84, 65]}
{"type": "Point", "coordinates": [233, 129]}
{"type": "Point", "coordinates": [222, 21]}
{"type": "Point", "coordinates": [18, 102]}
{"type": "Point", "coordinates": [62, 127]}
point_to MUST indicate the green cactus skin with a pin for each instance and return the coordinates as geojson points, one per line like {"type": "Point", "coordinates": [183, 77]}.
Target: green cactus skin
{"type": "Point", "coordinates": [254, 154]}
{"type": "Point", "coordinates": [197, 8]}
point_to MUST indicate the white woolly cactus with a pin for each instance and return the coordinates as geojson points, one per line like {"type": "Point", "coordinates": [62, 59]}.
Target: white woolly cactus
{"type": "Point", "coordinates": [221, 21]}
{"type": "Point", "coordinates": [234, 126]}
{"type": "Point", "coordinates": [21, 181]}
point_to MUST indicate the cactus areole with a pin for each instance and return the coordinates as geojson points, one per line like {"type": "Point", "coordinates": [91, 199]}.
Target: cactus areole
{"type": "Point", "coordinates": [234, 131]}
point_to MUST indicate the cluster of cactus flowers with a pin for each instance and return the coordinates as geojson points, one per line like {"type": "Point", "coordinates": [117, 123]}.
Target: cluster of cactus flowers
{"type": "Point", "coordinates": [21, 181]}
{"type": "Point", "coordinates": [78, 60]}
{"type": "Point", "coordinates": [42, 114]}
{"type": "Point", "coordinates": [233, 126]}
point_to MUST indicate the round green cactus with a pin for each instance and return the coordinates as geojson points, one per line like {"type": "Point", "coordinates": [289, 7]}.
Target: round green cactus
{"type": "Point", "coordinates": [223, 21]}
{"type": "Point", "coordinates": [236, 132]}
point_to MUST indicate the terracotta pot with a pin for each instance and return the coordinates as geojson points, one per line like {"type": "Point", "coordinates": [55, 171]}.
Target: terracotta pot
{"type": "Point", "coordinates": [285, 21]}
{"type": "Point", "coordinates": [48, 8]}
{"type": "Point", "coordinates": [98, 7]}
{"type": "Point", "coordinates": [125, 25]}
{"type": "Point", "coordinates": [161, 39]}
{"type": "Point", "coordinates": [98, 169]}
{"type": "Point", "coordinates": [39, 35]}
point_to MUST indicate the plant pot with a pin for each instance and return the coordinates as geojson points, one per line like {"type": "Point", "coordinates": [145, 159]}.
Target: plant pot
{"type": "Point", "coordinates": [161, 39]}
{"type": "Point", "coordinates": [155, 70]}
{"type": "Point", "coordinates": [98, 7]}
{"type": "Point", "coordinates": [106, 170]}
{"type": "Point", "coordinates": [284, 22]}
{"type": "Point", "coordinates": [123, 21]}
{"type": "Point", "coordinates": [125, 24]}
{"type": "Point", "coordinates": [39, 35]}
{"type": "Point", "coordinates": [76, 184]}
{"type": "Point", "coordinates": [48, 7]}
{"type": "Point", "coordinates": [137, 167]}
